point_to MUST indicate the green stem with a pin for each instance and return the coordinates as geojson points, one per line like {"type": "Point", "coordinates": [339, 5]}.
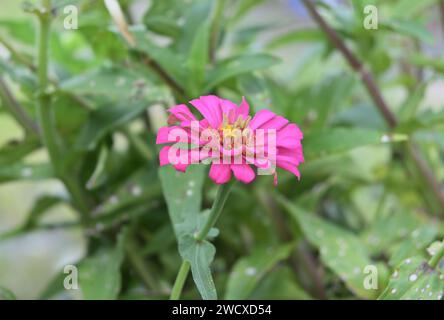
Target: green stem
{"type": "Point", "coordinates": [434, 261]}
{"type": "Point", "coordinates": [216, 210]}
{"type": "Point", "coordinates": [45, 113]}
{"type": "Point", "coordinates": [46, 117]}
{"type": "Point", "coordinates": [180, 280]}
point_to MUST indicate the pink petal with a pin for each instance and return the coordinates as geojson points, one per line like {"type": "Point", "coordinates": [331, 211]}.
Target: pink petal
{"type": "Point", "coordinates": [220, 173]}
{"type": "Point", "coordinates": [276, 123]}
{"type": "Point", "coordinates": [209, 107]}
{"type": "Point", "coordinates": [182, 167]}
{"type": "Point", "coordinates": [294, 156]}
{"type": "Point", "coordinates": [182, 113]}
{"type": "Point", "coordinates": [163, 156]}
{"type": "Point", "coordinates": [243, 109]}
{"type": "Point", "coordinates": [289, 167]}
{"type": "Point", "coordinates": [261, 118]}
{"type": "Point", "coordinates": [289, 137]}
{"type": "Point", "coordinates": [166, 135]}
{"type": "Point", "coordinates": [243, 172]}
{"type": "Point", "coordinates": [183, 157]}
{"type": "Point", "coordinates": [229, 109]}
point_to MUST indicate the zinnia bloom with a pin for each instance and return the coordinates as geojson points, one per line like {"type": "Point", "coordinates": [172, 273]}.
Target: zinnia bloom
{"type": "Point", "coordinates": [229, 139]}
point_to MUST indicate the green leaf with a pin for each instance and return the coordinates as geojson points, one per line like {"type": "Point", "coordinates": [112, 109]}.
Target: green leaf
{"type": "Point", "coordinates": [199, 255]}
{"type": "Point", "coordinates": [107, 119]}
{"type": "Point", "coordinates": [342, 251]}
{"type": "Point", "coordinates": [408, 28]}
{"type": "Point", "coordinates": [416, 244]}
{"type": "Point", "coordinates": [182, 193]}
{"type": "Point", "coordinates": [194, 14]}
{"type": "Point", "coordinates": [414, 279]}
{"type": "Point", "coordinates": [436, 64]}
{"type": "Point", "coordinates": [409, 8]}
{"type": "Point", "coordinates": [279, 284]}
{"type": "Point", "coordinates": [242, 8]}
{"type": "Point", "coordinates": [411, 105]}
{"type": "Point", "coordinates": [198, 58]}
{"type": "Point", "coordinates": [20, 75]}
{"type": "Point", "coordinates": [248, 271]}
{"type": "Point", "coordinates": [387, 231]}
{"type": "Point", "coordinates": [15, 151]}
{"type": "Point", "coordinates": [328, 142]}
{"type": "Point", "coordinates": [21, 171]}
{"type": "Point", "coordinates": [171, 62]}
{"type": "Point", "coordinates": [99, 274]}
{"type": "Point", "coordinates": [297, 36]}
{"type": "Point", "coordinates": [162, 25]}
{"type": "Point", "coordinates": [236, 66]}
{"type": "Point", "coordinates": [110, 82]}
{"type": "Point", "coordinates": [6, 294]}
{"type": "Point", "coordinates": [40, 207]}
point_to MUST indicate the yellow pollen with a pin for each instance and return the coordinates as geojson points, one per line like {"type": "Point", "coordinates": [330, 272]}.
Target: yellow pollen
{"type": "Point", "coordinates": [235, 130]}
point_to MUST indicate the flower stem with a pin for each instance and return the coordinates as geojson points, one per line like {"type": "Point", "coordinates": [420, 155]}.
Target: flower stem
{"type": "Point", "coordinates": [216, 210]}
{"type": "Point", "coordinates": [434, 261]}
{"type": "Point", "coordinates": [45, 112]}
{"type": "Point", "coordinates": [46, 117]}
{"type": "Point", "coordinates": [180, 280]}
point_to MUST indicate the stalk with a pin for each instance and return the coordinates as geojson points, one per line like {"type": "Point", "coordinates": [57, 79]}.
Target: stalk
{"type": "Point", "coordinates": [46, 117]}
{"type": "Point", "coordinates": [216, 210]}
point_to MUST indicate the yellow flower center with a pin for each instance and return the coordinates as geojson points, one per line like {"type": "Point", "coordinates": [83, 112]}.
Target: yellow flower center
{"type": "Point", "coordinates": [233, 131]}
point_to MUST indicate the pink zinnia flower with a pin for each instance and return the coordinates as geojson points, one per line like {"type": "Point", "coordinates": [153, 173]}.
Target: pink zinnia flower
{"type": "Point", "coordinates": [229, 139]}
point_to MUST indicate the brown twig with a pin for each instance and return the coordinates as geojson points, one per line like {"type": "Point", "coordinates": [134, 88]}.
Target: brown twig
{"type": "Point", "coordinates": [116, 13]}
{"type": "Point", "coordinates": [377, 97]}
{"type": "Point", "coordinates": [354, 62]}
{"type": "Point", "coordinates": [163, 75]}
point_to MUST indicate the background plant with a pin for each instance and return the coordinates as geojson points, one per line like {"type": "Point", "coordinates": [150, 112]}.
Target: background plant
{"type": "Point", "coordinates": [79, 113]}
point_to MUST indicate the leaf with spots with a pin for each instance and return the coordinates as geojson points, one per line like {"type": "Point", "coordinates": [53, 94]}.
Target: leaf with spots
{"type": "Point", "coordinates": [415, 244]}
{"type": "Point", "coordinates": [99, 274]}
{"type": "Point", "coordinates": [110, 82]}
{"type": "Point", "coordinates": [183, 194]}
{"type": "Point", "coordinates": [248, 271]}
{"type": "Point", "coordinates": [388, 230]}
{"type": "Point", "coordinates": [414, 279]}
{"type": "Point", "coordinates": [21, 171]}
{"type": "Point", "coordinates": [342, 251]}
